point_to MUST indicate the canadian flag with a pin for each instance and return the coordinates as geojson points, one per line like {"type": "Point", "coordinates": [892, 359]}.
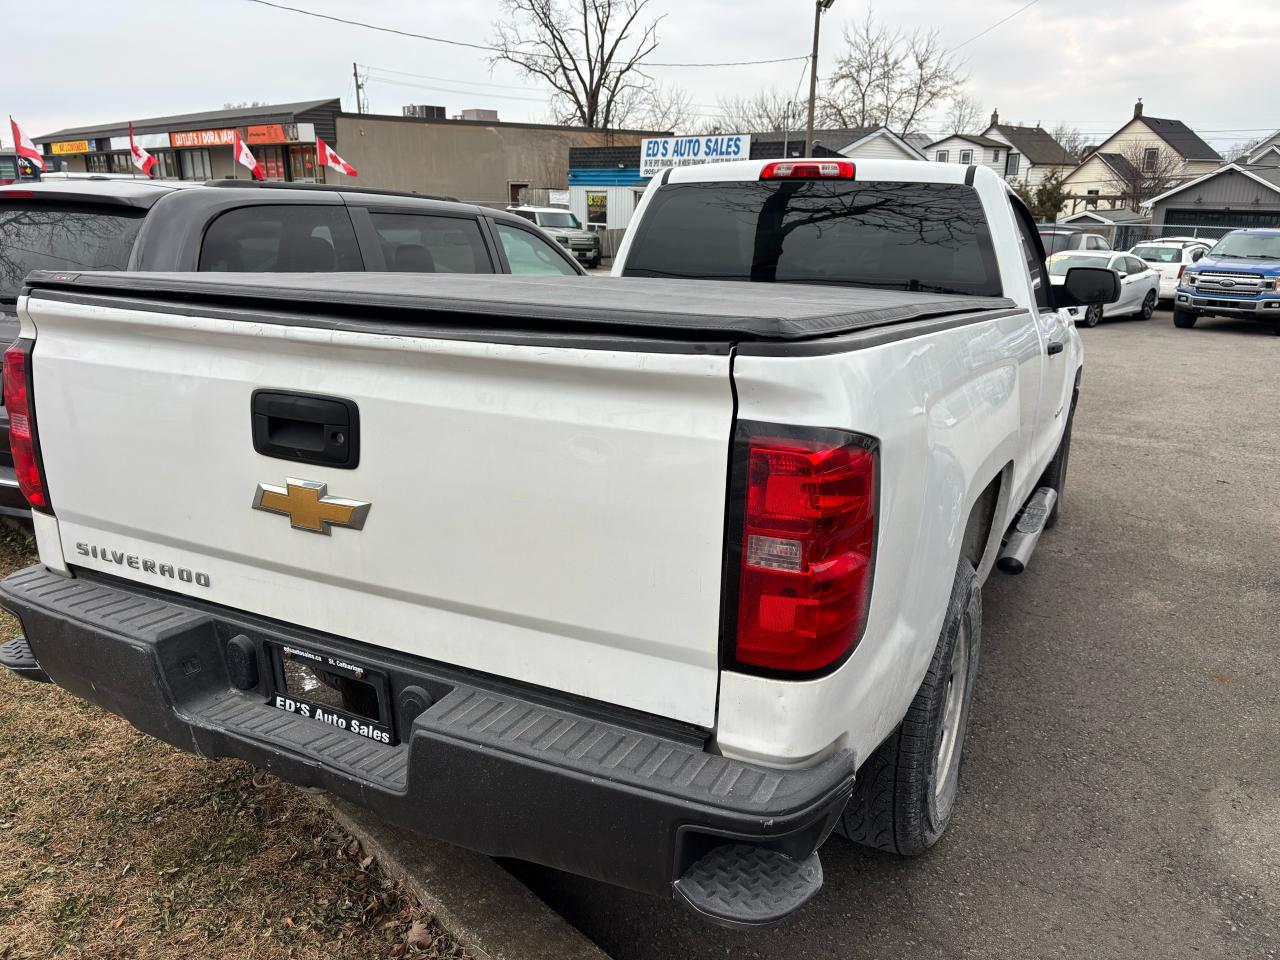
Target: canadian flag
{"type": "Point", "coordinates": [245, 158]}
{"type": "Point", "coordinates": [327, 158]}
{"type": "Point", "coordinates": [24, 147]}
{"type": "Point", "coordinates": [141, 159]}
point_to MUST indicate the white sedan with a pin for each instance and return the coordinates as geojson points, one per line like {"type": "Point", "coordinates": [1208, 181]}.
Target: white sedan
{"type": "Point", "coordinates": [1139, 284]}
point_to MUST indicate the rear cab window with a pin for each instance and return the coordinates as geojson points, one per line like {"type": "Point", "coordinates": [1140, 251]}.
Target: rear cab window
{"type": "Point", "coordinates": [41, 235]}
{"type": "Point", "coordinates": [1159, 254]}
{"type": "Point", "coordinates": [929, 237]}
{"type": "Point", "coordinates": [281, 238]}
{"type": "Point", "coordinates": [416, 243]}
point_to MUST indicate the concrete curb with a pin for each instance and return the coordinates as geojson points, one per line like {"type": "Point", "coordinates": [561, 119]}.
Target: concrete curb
{"type": "Point", "coordinates": [490, 912]}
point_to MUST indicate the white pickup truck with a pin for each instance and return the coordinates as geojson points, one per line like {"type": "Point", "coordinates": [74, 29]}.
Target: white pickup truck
{"type": "Point", "coordinates": [659, 578]}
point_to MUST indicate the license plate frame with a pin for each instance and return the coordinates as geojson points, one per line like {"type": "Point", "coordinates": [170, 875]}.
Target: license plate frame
{"type": "Point", "coordinates": [307, 696]}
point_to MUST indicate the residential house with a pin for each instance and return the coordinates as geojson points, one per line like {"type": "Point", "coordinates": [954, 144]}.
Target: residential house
{"type": "Point", "coordinates": [1135, 159]}
{"type": "Point", "coordinates": [879, 143]}
{"type": "Point", "coordinates": [968, 148]}
{"type": "Point", "coordinates": [1233, 196]}
{"type": "Point", "coordinates": [1266, 153]}
{"type": "Point", "coordinates": [1032, 152]}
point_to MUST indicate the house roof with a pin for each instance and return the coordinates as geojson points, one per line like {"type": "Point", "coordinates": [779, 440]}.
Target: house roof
{"type": "Point", "coordinates": [830, 137]}
{"type": "Point", "coordinates": [1036, 144]}
{"type": "Point", "coordinates": [1120, 166]}
{"type": "Point", "coordinates": [971, 138]}
{"type": "Point", "coordinates": [1124, 215]}
{"type": "Point", "coordinates": [1268, 156]}
{"type": "Point", "coordinates": [1181, 138]}
{"type": "Point", "coordinates": [192, 121]}
{"type": "Point", "coordinates": [1269, 177]}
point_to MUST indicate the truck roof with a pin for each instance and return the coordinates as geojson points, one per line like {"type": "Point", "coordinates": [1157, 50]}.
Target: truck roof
{"type": "Point", "coordinates": [704, 310]}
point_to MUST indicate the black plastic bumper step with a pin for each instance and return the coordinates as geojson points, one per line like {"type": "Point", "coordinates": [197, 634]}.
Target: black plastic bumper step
{"type": "Point", "coordinates": [17, 657]}
{"type": "Point", "coordinates": [740, 885]}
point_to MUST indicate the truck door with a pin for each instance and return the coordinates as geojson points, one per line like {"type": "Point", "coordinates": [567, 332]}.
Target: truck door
{"type": "Point", "coordinates": [1054, 329]}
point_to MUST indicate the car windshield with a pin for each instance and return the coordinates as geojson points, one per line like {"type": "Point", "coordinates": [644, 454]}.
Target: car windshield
{"type": "Point", "coordinates": [1062, 262]}
{"type": "Point", "coordinates": [1159, 254]}
{"type": "Point", "coordinates": [565, 219]}
{"type": "Point", "coordinates": [1055, 242]}
{"type": "Point", "coordinates": [36, 235]}
{"type": "Point", "coordinates": [902, 236]}
{"type": "Point", "coordinates": [1257, 246]}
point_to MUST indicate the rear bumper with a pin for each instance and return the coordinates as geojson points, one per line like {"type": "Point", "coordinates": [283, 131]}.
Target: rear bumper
{"type": "Point", "coordinates": [508, 771]}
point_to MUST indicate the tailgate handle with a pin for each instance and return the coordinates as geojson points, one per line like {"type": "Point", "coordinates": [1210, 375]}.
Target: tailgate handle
{"type": "Point", "coordinates": [306, 428]}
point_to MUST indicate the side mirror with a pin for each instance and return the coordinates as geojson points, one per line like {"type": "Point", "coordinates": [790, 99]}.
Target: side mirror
{"type": "Point", "coordinates": [1086, 285]}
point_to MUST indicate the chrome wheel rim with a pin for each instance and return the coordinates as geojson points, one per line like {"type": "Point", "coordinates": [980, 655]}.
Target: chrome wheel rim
{"type": "Point", "coordinates": [946, 764]}
{"type": "Point", "coordinates": [1148, 306]}
{"type": "Point", "coordinates": [1093, 315]}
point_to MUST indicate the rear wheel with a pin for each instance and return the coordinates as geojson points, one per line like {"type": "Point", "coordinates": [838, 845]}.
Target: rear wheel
{"type": "Point", "coordinates": [906, 790]}
{"type": "Point", "coordinates": [1092, 315]}
{"type": "Point", "coordinates": [1183, 318]}
{"type": "Point", "coordinates": [1148, 306]}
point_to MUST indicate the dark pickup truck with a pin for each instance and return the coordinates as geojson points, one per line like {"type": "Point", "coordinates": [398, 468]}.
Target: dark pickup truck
{"type": "Point", "coordinates": [246, 227]}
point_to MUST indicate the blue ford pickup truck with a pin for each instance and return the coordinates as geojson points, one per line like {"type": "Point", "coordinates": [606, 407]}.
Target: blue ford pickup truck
{"type": "Point", "coordinates": [1239, 277]}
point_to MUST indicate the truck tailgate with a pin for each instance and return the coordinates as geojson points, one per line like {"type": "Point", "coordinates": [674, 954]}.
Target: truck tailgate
{"type": "Point", "coordinates": [554, 515]}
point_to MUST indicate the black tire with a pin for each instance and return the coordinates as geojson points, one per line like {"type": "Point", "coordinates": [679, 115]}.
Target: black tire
{"type": "Point", "coordinates": [1148, 306]}
{"type": "Point", "coordinates": [1055, 475]}
{"type": "Point", "coordinates": [1092, 314]}
{"type": "Point", "coordinates": [1184, 319]}
{"type": "Point", "coordinates": [896, 803]}
{"type": "Point", "coordinates": [593, 264]}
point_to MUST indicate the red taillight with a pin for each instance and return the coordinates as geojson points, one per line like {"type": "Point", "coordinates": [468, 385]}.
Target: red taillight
{"type": "Point", "coordinates": [23, 441]}
{"type": "Point", "coordinates": [1181, 270]}
{"type": "Point", "coordinates": [808, 170]}
{"type": "Point", "coordinates": [807, 548]}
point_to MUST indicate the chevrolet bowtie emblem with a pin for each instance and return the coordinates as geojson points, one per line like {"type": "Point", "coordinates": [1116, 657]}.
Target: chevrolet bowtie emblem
{"type": "Point", "coordinates": [305, 504]}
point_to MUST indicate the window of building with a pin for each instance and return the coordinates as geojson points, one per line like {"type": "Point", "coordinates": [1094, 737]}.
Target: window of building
{"type": "Point", "coordinates": [1150, 158]}
{"type": "Point", "coordinates": [195, 165]}
{"type": "Point", "coordinates": [302, 164]}
{"type": "Point", "coordinates": [294, 238]}
{"type": "Point", "coordinates": [995, 156]}
{"type": "Point", "coordinates": [514, 189]}
{"type": "Point", "coordinates": [412, 243]}
{"type": "Point", "coordinates": [1091, 199]}
{"type": "Point", "coordinates": [528, 254]}
{"type": "Point", "coordinates": [966, 156]}
{"type": "Point", "coordinates": [271, 159]}
{"type": "Point", "coordinates": [121, 163]}
{"type": "Point", "coordinates": [166, 165]}
{"type": "Point", "coordinates": [1011, 164]}
{"type": "Point", "coordinates": [98, 163]}
{"type": "Point", "coordinates": [598, 207]}
{"type": "Point", "coordinates": [941, 156]}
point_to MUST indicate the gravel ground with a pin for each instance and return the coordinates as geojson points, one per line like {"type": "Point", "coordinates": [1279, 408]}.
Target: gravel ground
{"type": "Point", "coordinates": [1121, 794]}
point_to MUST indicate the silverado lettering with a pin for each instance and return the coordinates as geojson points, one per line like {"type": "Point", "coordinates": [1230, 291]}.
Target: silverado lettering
{"type": "Point", "coordinates": [145, 564]}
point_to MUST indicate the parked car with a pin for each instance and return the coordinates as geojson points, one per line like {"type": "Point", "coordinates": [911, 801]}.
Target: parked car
{"type": "Point", "coordinates": [467, 552]}
{"type": "Point", "coordinates": [103, 223]}
{"type": "Point", "coordinates": [1239, 277]}
{"type": "Point", "coordinates": [1170, 257]}
{"type": "Point", "coordinates": [583, 243]}
{"type": "Point", "coordinates": [1139, 284]}
{"type": "Point", "coordinates": [1057, 240]}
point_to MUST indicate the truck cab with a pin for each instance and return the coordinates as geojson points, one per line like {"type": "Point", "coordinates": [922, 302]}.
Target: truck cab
{"type": "Point", "coordinates": [1239, 277]}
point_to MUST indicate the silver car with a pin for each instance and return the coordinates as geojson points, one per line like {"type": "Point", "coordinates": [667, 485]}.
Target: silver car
{"type": "Point", "coordinates": [584, 244]}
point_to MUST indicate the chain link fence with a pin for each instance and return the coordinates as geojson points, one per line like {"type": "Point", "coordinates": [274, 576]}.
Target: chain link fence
{"type": "Point", "coordinates": [1123, 236]}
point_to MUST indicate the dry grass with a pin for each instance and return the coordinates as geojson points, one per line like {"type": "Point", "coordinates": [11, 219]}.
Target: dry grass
{"type": "Point", "coordinates": [114, 845]}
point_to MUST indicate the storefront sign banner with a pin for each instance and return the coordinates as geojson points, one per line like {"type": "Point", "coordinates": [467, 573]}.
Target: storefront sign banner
{"type": "Point", "coordinates": [657, 153]}
{"type": "Point", "coordinates": [272, 133]}
{"type": "Point", "coordinates": [202, 138]}
{"type": "Point", "coordinates": [61, 147]}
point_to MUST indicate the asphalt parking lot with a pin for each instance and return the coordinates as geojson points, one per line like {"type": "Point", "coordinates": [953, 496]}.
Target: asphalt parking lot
{"type": "Point", "coordinates": [1121, 795]}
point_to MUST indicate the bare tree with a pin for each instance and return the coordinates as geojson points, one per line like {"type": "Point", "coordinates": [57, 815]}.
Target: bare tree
{"type": "Point", "coordinates": [890, 78]}
{"type": "Point", "coordinates": [1072, 140]}
{"type": "Point", "coordinates": [1240, 149]}
{"type": "Point", "coordinates": [760, 112]}
{"type": "Point", "coordinates": [963, 115]}
{"type": "Point", "coordinates": [667, 108]}
{"type": "Point", "coordinates": [588, 51]}
{"type": "Point", "coordinates": [1143, 171]}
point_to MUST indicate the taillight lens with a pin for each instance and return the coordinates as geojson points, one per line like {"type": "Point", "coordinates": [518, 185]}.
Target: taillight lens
{"type": "Point", "coordinates": [1181, 270]}
{"type": "Point", "coordinates": [808, 170]}
{"type": "Point", "coordinates": [23, 441]}
{"type": "Point", "coordinates": [807, 547]}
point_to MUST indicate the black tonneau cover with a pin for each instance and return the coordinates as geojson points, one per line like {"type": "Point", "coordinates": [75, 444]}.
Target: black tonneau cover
{"type": "Point", "coordinates": [708, 310]}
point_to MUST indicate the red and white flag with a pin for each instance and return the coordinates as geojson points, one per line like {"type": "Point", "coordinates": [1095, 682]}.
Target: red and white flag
{"type": "Point", "coordinates": [245, 158]}
{"type": "Point", "coordinates": [141, 159]}
{"type": "Point", "coordinates": [24, 147]}
{"type": "Point", "coordinates": [327, 158]}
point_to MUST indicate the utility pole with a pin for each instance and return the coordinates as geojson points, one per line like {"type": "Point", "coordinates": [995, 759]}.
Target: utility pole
{"type": "Point", "coordinates": [355, 73]}
{"type": "Point", "coordinates": [819, 8]}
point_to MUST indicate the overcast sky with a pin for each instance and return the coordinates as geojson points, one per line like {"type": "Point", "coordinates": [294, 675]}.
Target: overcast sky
{"type": "Point", "coordinates": [1211, 65]}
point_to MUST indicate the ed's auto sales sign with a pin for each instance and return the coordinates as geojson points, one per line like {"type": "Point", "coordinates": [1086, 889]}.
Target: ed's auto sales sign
{"type": "Point", "coordinates": [657, 153]}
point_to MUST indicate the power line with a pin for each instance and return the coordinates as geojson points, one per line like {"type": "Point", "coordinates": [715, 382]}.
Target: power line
{"type": "Point", "coordinates": [994, 25]}
{"type": "Point", "coordinates": [453, 90]}
{"type": "Point", "coordinates": [491, 49]}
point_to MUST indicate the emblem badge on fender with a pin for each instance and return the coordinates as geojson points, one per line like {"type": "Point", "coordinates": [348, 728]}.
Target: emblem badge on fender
{"type": "Point", "coordinates": [308, 507]}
